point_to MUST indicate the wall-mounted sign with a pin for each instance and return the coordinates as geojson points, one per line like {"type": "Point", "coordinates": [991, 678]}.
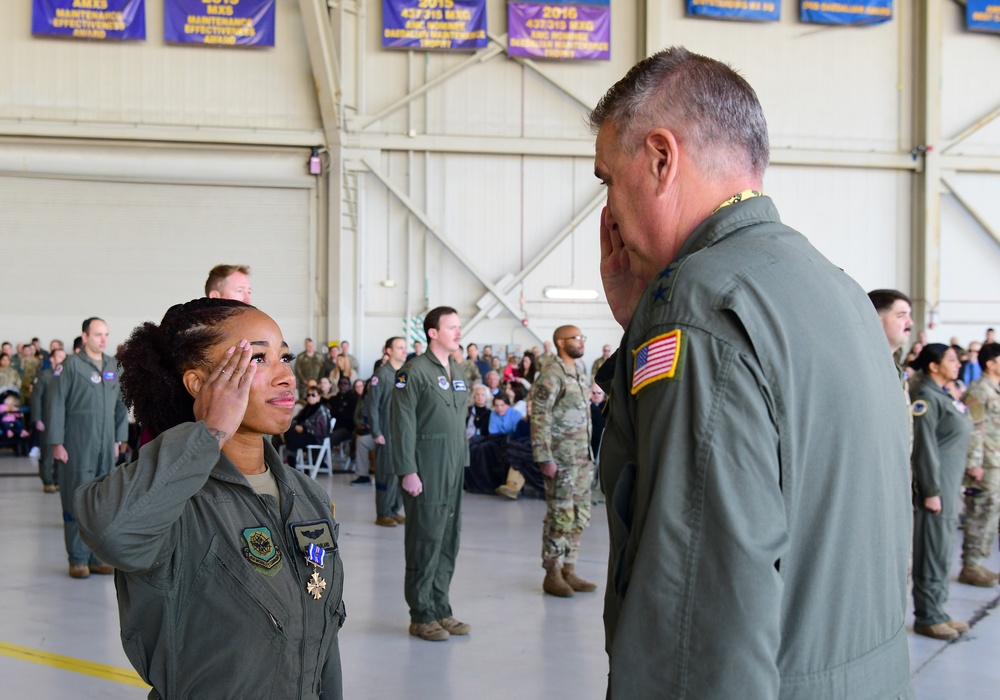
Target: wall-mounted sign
{"type": "Point", "coordinates": [89, 19]}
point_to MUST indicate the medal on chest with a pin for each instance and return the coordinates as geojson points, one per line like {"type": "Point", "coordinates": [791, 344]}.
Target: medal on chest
{"type": "Point", "coordinates": [315, 557]}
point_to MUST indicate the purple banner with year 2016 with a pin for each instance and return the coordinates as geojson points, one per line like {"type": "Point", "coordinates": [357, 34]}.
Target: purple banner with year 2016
{"type": "Point", "coordinates": [89, 19]}
{"type": "Point", "coordinates": [559, 30]}
{"type": "Point", "coordinates": [846, 12]}
{"type": "Point", "coordinates": [747, 10]}
{"type": "Point", "coordinates": [219, 22]}
{"type": "Point", "coordinates": [441, 25]}
{"type": "Point", "coordinates": [983, 15]}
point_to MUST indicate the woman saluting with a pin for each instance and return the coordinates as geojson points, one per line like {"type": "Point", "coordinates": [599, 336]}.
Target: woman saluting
{"type": "Point", "coordinates": [228, 577]}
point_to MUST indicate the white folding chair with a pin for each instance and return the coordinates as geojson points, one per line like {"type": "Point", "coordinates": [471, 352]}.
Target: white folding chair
{"type": "Point", "coordinates": [316, 459]}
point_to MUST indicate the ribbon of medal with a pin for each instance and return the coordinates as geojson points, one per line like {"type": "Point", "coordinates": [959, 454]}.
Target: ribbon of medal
{"type": "Point", "coordinates": [315, 557]}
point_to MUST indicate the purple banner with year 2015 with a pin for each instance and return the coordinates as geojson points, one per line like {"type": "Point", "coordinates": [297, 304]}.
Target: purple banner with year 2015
{"type": "Point", "coordinates": [89, 19]}
{"type": "Point", "coordinates": [983, 15]}
{"type": "Point", "coordinates": [746, 10]}
{"type": "Point", "coordinates": [560, 29]}
{"type": "Point", "coordinates": [440, 25]}
{"type": "Point", "coordinates": [846, 12]}
{"type": "Point", "coordinates": [219, 22]}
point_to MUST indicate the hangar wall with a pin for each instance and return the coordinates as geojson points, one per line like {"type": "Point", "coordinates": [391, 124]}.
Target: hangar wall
{"type": "Point", "coordinates": [463, 178]}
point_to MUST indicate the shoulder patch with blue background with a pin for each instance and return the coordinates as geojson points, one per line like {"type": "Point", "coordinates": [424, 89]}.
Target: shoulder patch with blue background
{"type": "Point", "coordinates": [443, 382]}
{"type": "Point", "coordinates": [401, 379]}
{"type": "Point", "coordinates": [459, 385]}
{"type": "Point", "coordinates": [918, 408]}
{"type": "Point", "coordinates": [109, 376]}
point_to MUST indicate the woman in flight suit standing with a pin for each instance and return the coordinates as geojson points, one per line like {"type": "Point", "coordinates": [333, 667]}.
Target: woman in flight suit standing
{"type": "Point", "coordinates": [941, 430]}
{"type": "Point", "coordinates": [228, 578]}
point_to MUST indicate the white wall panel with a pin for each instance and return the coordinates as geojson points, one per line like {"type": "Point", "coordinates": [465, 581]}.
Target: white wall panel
{"type": "Point", "coordinates": [128, 251]}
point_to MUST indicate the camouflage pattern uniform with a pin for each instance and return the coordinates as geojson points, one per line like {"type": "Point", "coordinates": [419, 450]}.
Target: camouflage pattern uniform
{"type": "Point", "coordinates": [560, 433]}
{"type": "Point", "coordinates": [307, 368]}
{"type": "Point", "coordinates": [472, 374]}
{"type": "Point", "coordinates": [982, 498]}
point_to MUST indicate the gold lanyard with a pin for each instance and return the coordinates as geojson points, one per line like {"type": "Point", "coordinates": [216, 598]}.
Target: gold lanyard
{"type": "Point", "coordinates": [739, 197]}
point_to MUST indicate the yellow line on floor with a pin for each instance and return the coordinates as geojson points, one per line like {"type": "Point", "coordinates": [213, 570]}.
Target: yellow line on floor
{"type": "Point", "coordinates": [68, 663]}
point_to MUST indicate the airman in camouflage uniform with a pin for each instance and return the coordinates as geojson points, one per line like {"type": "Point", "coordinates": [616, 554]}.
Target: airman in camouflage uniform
{"type": "Point", "coordinates": [308, 365]}
{"type": "Point", "coordinates": [982, 471]}
{"type": "Point", "coordinates": [560, 442]}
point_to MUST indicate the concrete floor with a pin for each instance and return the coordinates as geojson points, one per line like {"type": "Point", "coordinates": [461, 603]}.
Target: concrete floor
{"type": "Point", "coordinates": [59, 636]}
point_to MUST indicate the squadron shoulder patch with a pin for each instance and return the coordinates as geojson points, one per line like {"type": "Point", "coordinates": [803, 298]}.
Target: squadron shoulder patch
{"type": "Point", "coordinates": [374, 381]}
{"type": "Point", "coordinates": [656, 359]}
{"type": "Point", "coordinates": [918, 408]}
{"type": "Point", "coordinates": [443, 382]}
{"type": "Point", "coordinates": [401, 379]}
{"type": "Point", "coordinates": [260, 550]}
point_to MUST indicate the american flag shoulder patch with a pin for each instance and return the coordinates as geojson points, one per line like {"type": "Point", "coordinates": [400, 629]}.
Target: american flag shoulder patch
{"type": "Point", "coordinates": [656, 359]}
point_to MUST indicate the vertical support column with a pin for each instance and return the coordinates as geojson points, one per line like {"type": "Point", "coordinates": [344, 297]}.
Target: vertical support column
{"type": "Point", "coordinates": [925, 263]}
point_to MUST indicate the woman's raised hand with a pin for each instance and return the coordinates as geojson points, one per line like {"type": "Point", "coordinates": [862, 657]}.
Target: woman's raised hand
{"type": "Point", "coordinates": [222, 400]}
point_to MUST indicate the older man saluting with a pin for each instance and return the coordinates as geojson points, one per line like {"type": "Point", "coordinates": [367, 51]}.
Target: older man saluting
{"type": "Point", "coordinates": [758, 501]}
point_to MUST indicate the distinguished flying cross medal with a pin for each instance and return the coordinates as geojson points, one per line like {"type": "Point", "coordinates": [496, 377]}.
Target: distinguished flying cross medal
{"type": "Point", "coordinates": [316, 585]}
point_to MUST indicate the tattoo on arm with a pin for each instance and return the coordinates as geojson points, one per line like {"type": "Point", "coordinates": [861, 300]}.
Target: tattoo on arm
{"type": "Point", "coordinates": [218, 434]}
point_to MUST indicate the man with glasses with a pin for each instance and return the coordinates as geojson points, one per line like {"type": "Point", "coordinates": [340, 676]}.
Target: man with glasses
{"type": "Point", "coordinates": [560, 442]}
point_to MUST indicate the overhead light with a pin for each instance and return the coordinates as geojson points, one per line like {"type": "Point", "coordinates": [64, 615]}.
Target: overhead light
{"type": "Point", "coordinates": [388, 284]}
{"type": "Point", "coordinates": [569, 294]}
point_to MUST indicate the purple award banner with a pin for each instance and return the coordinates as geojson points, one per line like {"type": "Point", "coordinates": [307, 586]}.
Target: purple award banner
{"type": "Point", "coordinates": [559, 30]}
{"type": "Point", "coordinates": [219, 22]}
{"type": "Point", "coordinates": [89, 19]}
{"type": "Point", "coordinates": [983, 15]}
{"type": "Point", "coordinates": [848, 12]}
{"type": "Point", "coordinates": [441, 25]}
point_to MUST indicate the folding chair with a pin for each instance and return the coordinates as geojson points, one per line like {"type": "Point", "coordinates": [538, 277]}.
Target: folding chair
{"type": "Point", "coordinates": [314, 459]}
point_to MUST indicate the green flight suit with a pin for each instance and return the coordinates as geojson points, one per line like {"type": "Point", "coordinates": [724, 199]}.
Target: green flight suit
{"type": "Point", "coordinates": [388, 494]}
{"type": "Point", "coordinates": [755, 465]}
{"type": "Point", "coordinates": [88, 417]}
{"type": "Point", "coordinates": [428, 438]}
{"type": "Point", "coordinates": [941, 431]}
{"type": "Point", "coordinates": [41, 406]}
{"type": "Point", "coordinates": [212, 576]}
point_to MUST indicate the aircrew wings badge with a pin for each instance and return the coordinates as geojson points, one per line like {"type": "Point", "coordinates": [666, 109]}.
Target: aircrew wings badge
{"type": "Point", "coordinates": [656, 359]}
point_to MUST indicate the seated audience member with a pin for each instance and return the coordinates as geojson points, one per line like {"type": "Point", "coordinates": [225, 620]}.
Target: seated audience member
{"type": "Point", "coordinates": [326, 391]}
{"type": "Point", "coordinates": [492, 382]}
{"type": "Point", "coordinates": [345, 351]}
{"type": "Point", "coordinates": [342, 407]}
{"type": "Point", "coordinates": [330, 361]}
{"type": "Point", "coordinates": [343, 370]}
{"type": "Point", "coordinates": [496, 364]}
{"type": "Point", "coordinates": [511, 371]}
{"type": "Point", "coordinates": [11, 418]}
{"type": "Point", "coordinates": [479, 412]}
{"type": "Point", "coordinates": [971, 371]}
{"type": "Point", "coordinates": [363, 440]}
{"type": "Point", "coordinates": [503, 420]}
{"type": "Point", "coordinates": [309, 427]}
{"type": "Point", "coordinates": [517, 396]}
{"type": "Point", "coordinates": [10, 378]}
{"type": "Point", "coordinates": [528, 370]}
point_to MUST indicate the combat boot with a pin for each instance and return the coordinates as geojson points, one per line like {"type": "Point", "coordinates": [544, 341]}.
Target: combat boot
{"type": "Point", "coordinates": [960, 626]}
{"type": "Point", "coordinates": [975, 575]}
{"type": "Point", "coordinates": [453, 626]}
{"type": "Point", "coordinates": [386, 521]}
{"type": "Point", "coordinates": [515, 482]}
{"type": "Point", "coordinates": [575, 582]}
{"type": "Point", "coordinates": [431, 631]}
{"type": "Point", "coordinates": [555, 584]}
{"type": "Point", "coordinates": [939, 631]}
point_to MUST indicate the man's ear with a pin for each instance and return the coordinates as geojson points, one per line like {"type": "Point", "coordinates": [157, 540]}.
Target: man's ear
{"type": "Point", "coordinates": [214, 294]}
{"type": "Point", "coordinates": [662, 150]}
{"type": "Point", "coordinates": [193, 380]}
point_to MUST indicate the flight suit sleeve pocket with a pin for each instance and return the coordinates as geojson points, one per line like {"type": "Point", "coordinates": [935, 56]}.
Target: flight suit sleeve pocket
{"type": "Point", "coordinates": [620, 523]}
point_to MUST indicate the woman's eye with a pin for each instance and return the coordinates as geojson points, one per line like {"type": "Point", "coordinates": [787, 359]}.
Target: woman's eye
{"type": "Point", "coordinates": [257, 358]}
{"type": "Point", "coordinates": [287, 357]}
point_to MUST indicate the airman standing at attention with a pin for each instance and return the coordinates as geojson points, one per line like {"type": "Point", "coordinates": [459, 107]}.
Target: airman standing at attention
{"type": "Point", "coordinates": [388, 496]}
{"type": "Point", "coordinates": [229, 282]}
{"type": "Point", "coordinates": [308, 365]}
{"type": "Point", "coordinates": [560, 442]}
{"type": "Point", "coordinates": [41, 405]}
{"type": "Point", "coordinates": [430, 452]}
{"type": "Point", "coordinates": [88, 424]}
{"type": "Point", "coordinates": [982, 471]}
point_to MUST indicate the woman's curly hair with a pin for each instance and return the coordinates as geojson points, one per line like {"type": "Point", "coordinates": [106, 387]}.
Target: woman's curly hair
{"type": "Point", "coordinates": [155, 357]}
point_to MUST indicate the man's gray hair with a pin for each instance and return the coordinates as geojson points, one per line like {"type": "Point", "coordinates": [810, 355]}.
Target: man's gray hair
{"type": "Point", "coordinates": [704, 102]}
